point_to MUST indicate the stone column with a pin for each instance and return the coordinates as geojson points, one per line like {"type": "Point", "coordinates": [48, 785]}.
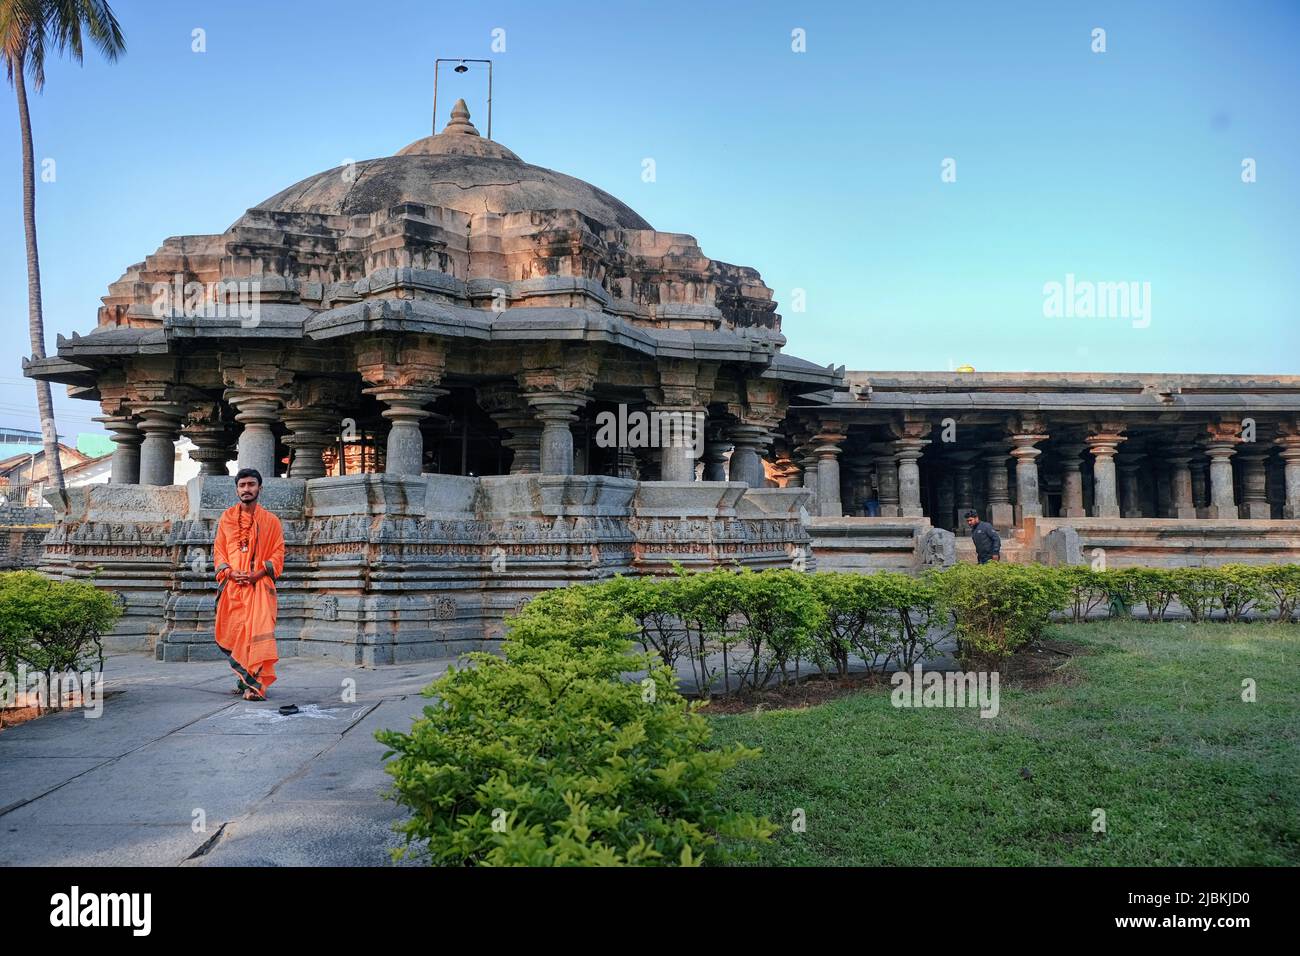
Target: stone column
{"type": "Point", "coordinates": [1104, 442]}
{"type": "Point", "coordinates": [1160, 475]}
{"type": "Point", "coordinates": [1072, 480]}
{"type": "Point", "coordinates": [126, 448]}
{"type": "Point", "coordinates": [556, 410]}
{"type": "Point", "coordinates": [746, 459]}
{"type": "Point", "coordinates": [909, 452]}
{"type": "Point", "coordinates": [946, 498]}
{"type": "Point", "coordinates": [855, 474]}
{"type": "Point", "coordinates": [963, 490]}
{"type": "Point", "coordinates": [522, 434]}
{"type": "Point", "coordinates": [257, 410]}
{"type": "Point", "coordinates": [678, 440]}
{"type": "Point", "coordinates": [716, 453]}
{"type": "Point", "coordinates": [1028, 502]}
{"type": "Point", "coordinates": [310, 433]}
{"type": "Point", "coordinates": [1130, 495]}
{"type": "Point", "coordinates": [1000, 512]}
{"type": "Point", "coordinates": [1220, 445]}
{"type": "Point", "coordinates": [1289, 441]}
{"type": "Point", "coordinates": [887, 485]}
{"type": "Point", "coordinates": [1181, 504]}
{"type": "Point", "coordinates": [1201, 486]}
{"type": "Point", "coordinates": [1254, 495]}
{"type": "Point", "coordinates": [206, 428]}
{"type": "Point", "coordinates": [808, 462]}
{"type": "Point", "coordinates": [161, 424]}
{"type": "Point", "coordinates": [827, 449]}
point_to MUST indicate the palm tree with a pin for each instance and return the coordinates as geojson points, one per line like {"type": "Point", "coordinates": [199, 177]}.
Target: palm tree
{"type": "Point", "coordinates": [27, 29]}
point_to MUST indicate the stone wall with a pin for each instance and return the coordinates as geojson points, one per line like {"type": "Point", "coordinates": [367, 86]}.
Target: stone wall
{"type": "Point", "coordinates": [871, 544]}
{"type": "Point", "coordinates": [1167, 542]}
{"type": "Point", "coordinates": [389, 568]}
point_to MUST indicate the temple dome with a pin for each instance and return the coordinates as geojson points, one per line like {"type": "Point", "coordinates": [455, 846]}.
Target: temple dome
{"type": "Point", "coordinates": [457, 169]}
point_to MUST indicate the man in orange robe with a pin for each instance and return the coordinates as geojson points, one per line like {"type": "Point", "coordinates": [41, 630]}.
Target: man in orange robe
{"type": "Point", "coordinates": [249, 558]}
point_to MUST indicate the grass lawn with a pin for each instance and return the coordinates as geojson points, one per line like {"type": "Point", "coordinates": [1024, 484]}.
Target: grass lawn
{"type": "Point", "coordinates": [1145, 722]}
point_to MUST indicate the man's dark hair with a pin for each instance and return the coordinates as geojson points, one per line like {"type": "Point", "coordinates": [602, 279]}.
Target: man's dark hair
{"type": "Point", "coordinates": [971, 513]}
{"type": "Point", "coordinates": [249, 473]}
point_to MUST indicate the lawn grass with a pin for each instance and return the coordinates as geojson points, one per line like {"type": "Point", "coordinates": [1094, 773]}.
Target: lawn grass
{"type": "Point", "coordinates": [1145, 722]}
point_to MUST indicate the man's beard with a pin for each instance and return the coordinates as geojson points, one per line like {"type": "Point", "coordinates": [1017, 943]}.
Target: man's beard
{"type": "Point", "coordinates": [249, 500]}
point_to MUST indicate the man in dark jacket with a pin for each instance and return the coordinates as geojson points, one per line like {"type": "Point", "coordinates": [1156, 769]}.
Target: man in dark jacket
{"type": "Point", "coordinates": [988, 546]}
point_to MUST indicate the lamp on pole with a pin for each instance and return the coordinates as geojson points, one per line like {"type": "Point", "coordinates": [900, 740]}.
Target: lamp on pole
{"type": "Point", "coordinates": [460, 68]}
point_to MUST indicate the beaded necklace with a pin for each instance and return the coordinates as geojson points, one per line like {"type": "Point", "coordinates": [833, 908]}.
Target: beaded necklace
{"type": "Point", "coordinates": [243, 531]}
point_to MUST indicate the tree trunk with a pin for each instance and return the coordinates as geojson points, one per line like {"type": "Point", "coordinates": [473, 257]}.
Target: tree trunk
{"type": "Point", "coordinates": [35, 320]}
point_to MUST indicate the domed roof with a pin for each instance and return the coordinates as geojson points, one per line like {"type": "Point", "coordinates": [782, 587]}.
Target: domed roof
{"type": "Point", "coordinates": [457, 169]}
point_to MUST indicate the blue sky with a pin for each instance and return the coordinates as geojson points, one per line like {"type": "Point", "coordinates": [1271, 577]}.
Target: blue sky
{"type": "Point", "coordinates": [821, 169]}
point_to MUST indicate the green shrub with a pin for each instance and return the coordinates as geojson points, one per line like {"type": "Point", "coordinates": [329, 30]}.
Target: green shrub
{"type": "Point", "coordinates": [778, 615]}
{"type": "Point", "coordinates": [1282, 583]}
{"type": "Point", "coordinates": [1197, 589]}
{"type": "Point", "coordinates": [854, 622]}
{"type": "Point", "coordinates": [1087, 589]}
{"type": "Point", "coordinates": [549, 757]}
{"type": "Point", "coordinates": [1242, 590]}
{"type": "Point", "coordinates": [53, 627]}
{"type": "Point", "coordinates": [1151, 587]}
{"type": "Point", "coordinates": [999, 607]}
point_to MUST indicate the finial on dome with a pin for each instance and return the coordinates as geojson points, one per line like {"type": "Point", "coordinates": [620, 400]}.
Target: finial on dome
{"type": "Point", "coordinates": [459, 122]}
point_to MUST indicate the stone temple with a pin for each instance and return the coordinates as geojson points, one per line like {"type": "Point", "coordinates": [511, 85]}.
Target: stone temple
{"type": "Point", "coordinates": [427, 350]}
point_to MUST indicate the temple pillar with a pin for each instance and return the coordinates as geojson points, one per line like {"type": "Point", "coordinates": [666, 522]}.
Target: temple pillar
{"type": "Point", "coordinates": [946, 502]}
{"type": "Point", "coordinates": [808, 462]}
{"type": "Point", "coordinates": [716, 452]}
{"type": "Point", "coordinates": [309, 434]}
{"type": "Point", "coordinates": [405, 376]}
{"type": "Point", "coordinates": [1201, 486]}
{"type": "Point", "coordinates": [1288, 441]}
{"type": "Point", "coordinates": [206, 428]}
{"type": "Point", "coordinates": [963, 492]}
{"type": "Point", "coordinates": [126, 438]}
{"type": "Point", "coordinates": [502, 402]}
{"type": "Point", "coordinates": [1103, 443]}
{"type": "Point", "coordinates": [1000, 513]}
{"type": "Point", "coordinates": [1129, 464]}
{"type": "Point", "coordinates": [1220, 445]}
{"type": "Point", "coordinates": [1181, 503]}
{"type": "Point", "coordinates": [556, 410]}
{"type": "Point", "coordinates": [257, 409]}
{"type": "Point", "coordinates": [887, 484]}
{"type": "Point", "coordinates": [746, 460]}
{"type": "Point", "coordinates": [160, 423]}
{"type": "Point", "coordinates": [827, 449]}
{"type": "Point", "coordinates": [1254, 492]}
{"type": "Point", "coordinates": [908, 451]}
{"type": "Point", "coordinates": [680, 440]}
{"type": "Point", "coordinates": [1028, 502]}
{"type": "Point", "coordinates": [1072, 480]}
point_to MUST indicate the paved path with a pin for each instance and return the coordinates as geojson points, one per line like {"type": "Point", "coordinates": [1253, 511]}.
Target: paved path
{"type": "Point", "coordinates": [123, 788]}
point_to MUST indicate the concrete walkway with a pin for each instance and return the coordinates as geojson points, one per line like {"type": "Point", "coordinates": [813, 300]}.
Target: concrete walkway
{"type": "Point", "coordinates": [173, 741]}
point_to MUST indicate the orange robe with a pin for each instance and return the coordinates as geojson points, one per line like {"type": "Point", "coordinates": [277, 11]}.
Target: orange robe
{"type": "Point", "coordinates": [246, 612]}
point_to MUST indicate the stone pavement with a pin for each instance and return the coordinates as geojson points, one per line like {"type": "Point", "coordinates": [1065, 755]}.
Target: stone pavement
{"type": "Point", "coordinates": [124, 788]}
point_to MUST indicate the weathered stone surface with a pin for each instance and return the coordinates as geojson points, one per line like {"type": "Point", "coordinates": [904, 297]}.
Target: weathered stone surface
{"type": "Point", "coordinates": [937, 548]}
{"type": "Point", "coordinates": [1063, 546]}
